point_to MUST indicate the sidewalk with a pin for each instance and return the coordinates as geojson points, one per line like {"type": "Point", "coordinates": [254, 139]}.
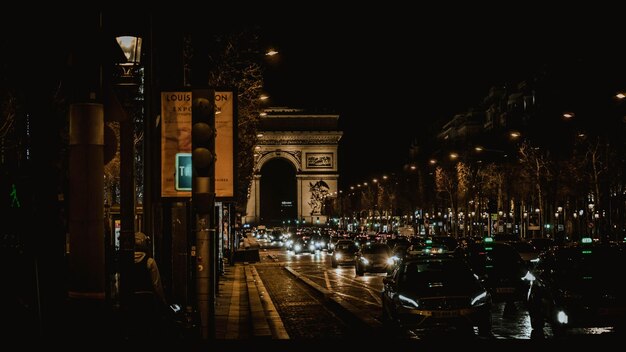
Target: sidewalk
{"type": "Point", "coordinates": [243, 309]}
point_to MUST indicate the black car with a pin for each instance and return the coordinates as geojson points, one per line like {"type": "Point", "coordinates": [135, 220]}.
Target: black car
{"type": "Point", "coordinates": [435, 289]}
{"type": "Point", "coordinates": [501, 269]}
{"type": "Point", "coordinates": [375, 257]}
{"type": "Point", "coordinates": [276, 236]}
{"type": "Point", "coordinates": [578, 286]}
{"type": "Point", "coordinates": [344, 253]}
{"type": "Point", "coordinates": [303, 244]}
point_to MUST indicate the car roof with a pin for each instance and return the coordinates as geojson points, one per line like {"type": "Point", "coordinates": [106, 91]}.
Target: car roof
{"type": "Point", "coordinates": [423, 256]}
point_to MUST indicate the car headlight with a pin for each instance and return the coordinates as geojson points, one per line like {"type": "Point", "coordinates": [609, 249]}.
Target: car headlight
{"type": "Point", "coordinates": [297, 247]}
{"type": "Point", "coordinates": [338, 256]}
{"type": "Point", "coordinates": [391, 261]}
{"type": "Point", "coordinates": [480, 299]}
{"type": "Point", "coordinates": [322, 243]}
{"type": "Point", "coordinates": [408, 302]}
{"type": "Point", "coordinates": [312, 247]}
{"type": "Point", "coordinates": [365, 261]}
{"type": "Point", "coordinates": [529, 276]}
{"type": "Point", "coordinates": [562, 317]}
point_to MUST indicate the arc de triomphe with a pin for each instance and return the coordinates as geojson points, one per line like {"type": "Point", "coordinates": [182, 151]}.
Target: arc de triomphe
{"type": "Point", "coordinates": [309, 142]}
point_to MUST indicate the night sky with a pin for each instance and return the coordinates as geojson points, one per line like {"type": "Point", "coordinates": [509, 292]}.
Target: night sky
{"type": "Point", "coordinates": [392, 80]}
{"type": "Point", "coordinates": [393, 74]}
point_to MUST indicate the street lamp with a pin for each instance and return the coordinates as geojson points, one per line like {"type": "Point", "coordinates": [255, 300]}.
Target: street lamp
{"type": "Point", "coordinates": [131, 46]}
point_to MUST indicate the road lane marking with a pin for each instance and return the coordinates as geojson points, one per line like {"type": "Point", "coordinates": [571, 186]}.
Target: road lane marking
{"type": "Point", "coordinates": [357, 298]}
{"type": "Point", "coordinates": [376, 297]}
{"type": "Point", "coordinates": [327, 281]}
{"type": "Point", "coordinates": [359, 283]}
{"type": "Point", "coordinates": [372, 291]}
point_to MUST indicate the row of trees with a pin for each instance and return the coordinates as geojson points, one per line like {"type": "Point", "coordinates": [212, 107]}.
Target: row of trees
{"type": "Point", "coordinates": [583, 193]}
{"type": "Point", "coordinates": [552, 161]}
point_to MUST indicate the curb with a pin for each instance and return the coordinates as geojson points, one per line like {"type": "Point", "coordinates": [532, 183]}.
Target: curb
{"type": "Point", "coordinates": [260, 326]}
{"type": "Point", "coordinates": [273, 318]}
{"type": "Point", "coordinates": [346, 309]}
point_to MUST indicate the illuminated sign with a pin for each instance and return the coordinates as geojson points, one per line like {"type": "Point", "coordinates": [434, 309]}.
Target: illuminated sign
{"type": "Point", "coordinates": [183, 172]}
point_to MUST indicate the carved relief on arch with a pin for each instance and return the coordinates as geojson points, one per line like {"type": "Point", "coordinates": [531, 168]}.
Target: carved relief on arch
{"type": "Point", "coordinates": [293, 156]}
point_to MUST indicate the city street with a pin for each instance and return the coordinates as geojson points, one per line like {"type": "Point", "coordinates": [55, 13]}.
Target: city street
{"type": "Point", "coordinates": [303, 317]}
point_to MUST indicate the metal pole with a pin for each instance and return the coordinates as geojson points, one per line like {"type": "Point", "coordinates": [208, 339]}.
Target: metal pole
{"type": "Point", "coordinates": [203, 200]}
{"type": "Point", "coordinates": [127, 208]}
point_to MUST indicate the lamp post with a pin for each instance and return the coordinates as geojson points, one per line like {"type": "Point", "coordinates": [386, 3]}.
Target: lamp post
{"type": "Point", "coordinates": [131, 46]}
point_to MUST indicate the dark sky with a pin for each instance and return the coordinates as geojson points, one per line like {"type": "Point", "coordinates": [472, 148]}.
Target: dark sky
{"type": "Point", "coordinates": [389, 79]}
{"type": "Point", "coordinates": [391, 72]}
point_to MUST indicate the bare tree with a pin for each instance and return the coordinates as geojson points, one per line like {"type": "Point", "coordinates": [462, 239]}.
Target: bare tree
{"type": "Point", "coordinates": [446, 182]}
{"type": "Point", "coordinates": [235, 61]}
{"type": "Point", "coordinates": [536, 166]}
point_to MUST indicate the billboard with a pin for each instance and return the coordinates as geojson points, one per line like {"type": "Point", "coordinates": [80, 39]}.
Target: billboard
{"type": "Point", "coordinates": [175, 142]}
{"type": "Point", "coordinates": [224, 144]}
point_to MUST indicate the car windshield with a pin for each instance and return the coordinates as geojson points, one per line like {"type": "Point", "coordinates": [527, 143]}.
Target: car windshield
{"type": "Point", "coordinates": [523, 247]}
{"type": "Point", "coordinates": [381, 249]}
{"type": "Point", "coordinates": [496, 258]}
{"type": "Point", "coordinates": [449, 242]}
{"type": "Point", "coordinates": [588, 264]}
{"type": "Point", "coordinates": [444, 272]}
{"type": "Point", "coordinates": [345, 246]}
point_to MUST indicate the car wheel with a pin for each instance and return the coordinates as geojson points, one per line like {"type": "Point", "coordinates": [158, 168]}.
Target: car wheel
{"type": "Point", "coordinates": [558, 331]}
{"type": "Point", "coordinates": [385, 316]}
{"type": "Point", "coordinates": [359, 271]}
{"type": "Point", "coordinates": [333, 264]}
{"type": "Point", "coordinates": [485, 326]}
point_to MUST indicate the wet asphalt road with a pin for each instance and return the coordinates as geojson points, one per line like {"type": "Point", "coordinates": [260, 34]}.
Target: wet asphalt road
{"type": "Point", "coordinates": [293, 299]}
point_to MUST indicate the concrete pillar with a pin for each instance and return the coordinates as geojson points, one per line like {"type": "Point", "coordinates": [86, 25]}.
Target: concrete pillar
{"type": "Point", "coordinates": [299, 187]}
{"type": "Point", "coordinates": [257, 199]}
{"type": "Point", "coordinates": [86, 203]}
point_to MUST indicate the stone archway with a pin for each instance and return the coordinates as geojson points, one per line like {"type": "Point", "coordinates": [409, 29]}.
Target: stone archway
{"type": "Point", "coordinates": [278, 193]}
{"type": "Point", "coordinates": [294, 135]}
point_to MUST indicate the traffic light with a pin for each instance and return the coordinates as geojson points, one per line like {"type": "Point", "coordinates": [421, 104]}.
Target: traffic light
{"type": "Point", "coordinates": [203, 149]}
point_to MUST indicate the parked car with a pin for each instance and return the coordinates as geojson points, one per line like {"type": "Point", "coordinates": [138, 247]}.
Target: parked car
{"type": "Point", "coordinates": [435, 289]}
{"type": "Point", "coordinates": [578, 286]}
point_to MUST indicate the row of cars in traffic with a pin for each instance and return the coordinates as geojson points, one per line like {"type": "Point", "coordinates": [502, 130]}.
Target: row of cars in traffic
{"type": "Point", "coordinates": [444, 281]}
